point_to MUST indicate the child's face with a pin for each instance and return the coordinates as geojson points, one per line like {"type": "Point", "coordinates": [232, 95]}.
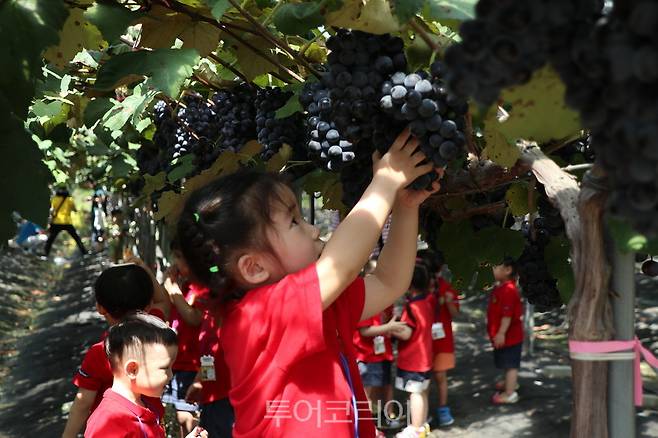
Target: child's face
{"type": "Point", "coordinates": [181, 264]}
{"type": "Point", "coordinates": [154, 369]}
{"type": "Point", "coordinates": [502, 272]}
{"type": "Point", "coordinates": [295, 242]}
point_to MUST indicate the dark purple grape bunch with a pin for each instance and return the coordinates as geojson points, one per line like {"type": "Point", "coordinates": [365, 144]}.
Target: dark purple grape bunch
{"type": "Point", "coordinates": [274, 132]}
{"type": "Point", "coordinates": [435, 116]}
{"type": "Point", "coordinates": [236, 116]}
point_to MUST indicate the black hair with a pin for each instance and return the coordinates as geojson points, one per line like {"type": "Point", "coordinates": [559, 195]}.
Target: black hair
{"type": "Point", "coordinates": [509, 262]}
{"type": "Point", "coordinates": [123, 289]}
{"type": "Point", "coordinates": [135, 331]}
{"type": "Point", "coordinates": [62, 191]}
{"type": "Point", "coordinates": [420, 281]}
{"type": "Point", "coordinates": [225, 218]}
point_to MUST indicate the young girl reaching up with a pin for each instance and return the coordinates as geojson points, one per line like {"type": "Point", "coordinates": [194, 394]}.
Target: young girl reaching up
{"type": "Point", "coordinates": [292, 302]}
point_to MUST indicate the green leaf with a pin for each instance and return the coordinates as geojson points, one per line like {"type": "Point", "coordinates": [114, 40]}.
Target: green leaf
{"type": "Point", "coordinates": [122, 166]}
{"type": "Point", "coordinates": [450, 12]}
{"type": "Point", "coordinates": [557, 254]}
{"type": "Point", "coordinates": [629, 240]}
{"type": "Point", "coordinates": [249, 64]}
{"type": "Point", "coordinates": [290, 108]}
{"type": "Point", "coordinates": [405, 10]}
{"type": "Point", "coordinates": [162, 27]}
{"type": "Point", "coordinates": [537, 110]}
{"type": "Point", "coordinates": [374, 16]}
{"type": "Point", "coordinates": [96, 109]}
{"type": "Point", "coordinates": [517, 199]}
{"type": "Point", "coordinates": [27, 27]}
{"type": "Point", "coordinates": [184, 166]}
{"type": "Point", "coordinates": [153, 182]}
{"type": "Point", "coordinates": [167, 69]}
{"type": "Point", "coordinates": [22, 174]}
{"type": "Point", "coordinates": [279, 160]}
{"type": "Point", "coordinates": [112, 19]}
{"type": "Point", "coordinates": [498, 148]}
{"type": "Point", "coordinates": [131, 107]}
{"type": "Point", "coordinates": [76, 35]}
{"type": "Point", "coordinates": [298, 18]}
{"type": "Point", "coordinates": [218, 7]}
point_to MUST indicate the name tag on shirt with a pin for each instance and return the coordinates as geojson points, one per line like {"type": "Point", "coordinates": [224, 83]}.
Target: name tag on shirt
{"type": "Point", "coordinates": [208, 368]}
{"type": "Point", "coordinates": [380, 346]}
{"type": "Point", "coordinates": [437, 331]}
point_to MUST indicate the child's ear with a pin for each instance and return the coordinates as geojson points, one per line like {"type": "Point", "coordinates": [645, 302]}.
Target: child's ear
{"type": "Point", "coordinates": [131, 368]}
{"type": "Point", "coordinates": [252, 269]}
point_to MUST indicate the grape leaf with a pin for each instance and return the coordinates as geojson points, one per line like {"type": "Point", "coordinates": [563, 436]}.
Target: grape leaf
{"type": "Point", "coordinates": [167, 68]}
{"type": "Point", "coordinates": [298, 18]}
{"type": "Point", "coordinates": [184, 166]}
{"type": "Point", "coordinates": [405, 10]}
{"type": "Point", "coordinates": [153, 183]}
{"type": "Point", "coordinates": [498, 148]}
{"type": "Point", "coordinates": [517, 199]}
{"type": "Point", "coordinates": [252, 65]}
{"type": "Point", "coordinates": [122, 165]}
{"type": "Point", "coordinates": [629, 240]}
{"type": "Point", "coordinates": [537, 110]}
{"type": "Point", "coordinates": [96, 109]}
{"type": "Point", "coordinates": [27, 27]}
{"type": "Point", "coordinates": [162, 27]}
{"type": "Point", "coordinates": [557, 255]}
{"type": "Point", "coordinates": [372, 16]}
{"type": "Point", "coordinates": [76, 35]}
{"type": "Point", "coordinates": [279, 160]}
{"type": "Point", "coordinates": [218, 7]}
{"type": "Point", "coordinates": [290, 108]}
{"type": "Point", "coordinates": [111, 19]}
{"type": "Point", "coordinates": [450, 12]}
{"type": "Point", "coordinates": [130, 108]}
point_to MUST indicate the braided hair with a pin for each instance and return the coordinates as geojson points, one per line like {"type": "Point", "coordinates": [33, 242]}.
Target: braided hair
{"type": "Point", "coordinates": [222, 220]}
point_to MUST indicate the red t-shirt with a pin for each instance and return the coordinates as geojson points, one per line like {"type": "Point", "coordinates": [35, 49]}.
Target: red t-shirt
{"type": "Point", "coordinates": [364, 345]}
{"type": "Point", "coordinates": [118, 417]}
{"type": "Point", "coordinates": [505, 301]}
{"type": "Point", "coordinates": [444, 293]}
{"type": "Point", "coordinates": [95, 373]}
{"type": "Point", "coordinates": [284, 355]}
{"type": "Point", "coordinates": [188, 336]}
{"type": "Point", "coordinates": [415, 354]}
{"type": "Point", "coordinates": [209, 333]}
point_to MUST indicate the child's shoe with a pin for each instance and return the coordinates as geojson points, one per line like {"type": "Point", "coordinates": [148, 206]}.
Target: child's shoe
{"type": "Point", "coordinates": [445, 418]}
{"type": "Point", "coordinates": [500, 398]}
{"type": "Point", "coordinates": [411, 432]}
{"type": "Point", "coordinates": [500, 386]}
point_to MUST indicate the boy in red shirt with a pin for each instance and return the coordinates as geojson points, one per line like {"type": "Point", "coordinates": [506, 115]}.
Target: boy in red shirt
{"type": "Point", "coordinates": [141, 349]}
{"type": "Point", "coordinates": [374, 354]}
{"type": "Point", "coordinates": [446, 307]}
{"type": "Point", "coordinates": [415, 352]}
{"type": "Point", "coordinates": [119, 291]}
{"type": "Point", "coordinates": [505, 329]}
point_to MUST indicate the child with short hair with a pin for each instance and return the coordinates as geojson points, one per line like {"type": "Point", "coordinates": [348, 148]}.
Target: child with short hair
{"type": "Point", "coordinates": [505, 329]}
{"type": "Point", "coordinates": [415, 352]}
{"type": "Point", "coordinates": [119, 290]}
{"type": "Point", "coordinates": [141, 349]}
{"type": "Point", "coordinates": [446, 307]}
{"type": "Point", "coordinates": [292, 302]}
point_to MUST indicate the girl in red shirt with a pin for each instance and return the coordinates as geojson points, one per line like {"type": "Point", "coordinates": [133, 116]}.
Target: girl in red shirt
{"type": "Point", "coordinates": [415, 352]}
{"type": "Point", "coordinates": [505, 329]}
{"type": "Point", "coordinates": [292, 303]}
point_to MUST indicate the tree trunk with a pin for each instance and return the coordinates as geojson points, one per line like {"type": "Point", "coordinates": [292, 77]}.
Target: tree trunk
{"type": "Point", "coordinates": [590, 315]}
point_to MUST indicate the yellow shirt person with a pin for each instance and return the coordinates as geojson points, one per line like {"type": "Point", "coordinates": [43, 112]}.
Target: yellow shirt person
{"type": "Point", "coordinates": [62, 207]}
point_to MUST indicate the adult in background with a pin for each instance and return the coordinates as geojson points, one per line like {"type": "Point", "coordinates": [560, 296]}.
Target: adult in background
{"type": "Point", "coordinates": [61, 207]}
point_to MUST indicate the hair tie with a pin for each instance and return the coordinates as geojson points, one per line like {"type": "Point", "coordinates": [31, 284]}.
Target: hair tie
{"type": "Point", "coordinates": [214, 269]}
{"type": "Point", "coordinates": [196, 217]}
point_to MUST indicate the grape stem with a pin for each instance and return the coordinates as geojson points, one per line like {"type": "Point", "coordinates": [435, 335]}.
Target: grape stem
{"type": "Point", "coordinates": [265, 33]}
{"type": "Point", "coordinates": [574, 167]}
{"type": "Point", "coordinates": [233, 70]}
{"type": "Point", "coordinates": [413, 23]}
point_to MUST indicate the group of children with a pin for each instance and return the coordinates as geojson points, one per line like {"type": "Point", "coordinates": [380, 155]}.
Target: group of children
{"type": "Point", "coordinates": [263, 337]}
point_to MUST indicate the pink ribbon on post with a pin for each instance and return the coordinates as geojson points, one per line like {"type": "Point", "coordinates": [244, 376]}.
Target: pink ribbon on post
{"type": "Point", "coordinates": [610, 350]}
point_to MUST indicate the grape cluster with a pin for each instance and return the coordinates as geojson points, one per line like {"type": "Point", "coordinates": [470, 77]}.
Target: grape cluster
{"type": "Point", "coordinates": [236, 115]}
{"type": "Point", "coordinates": [507, 41]}
{"type": "Point", "coordinates": [611, 75]}
{"type": "Point", "coordinates": [272, 132]}
{"type": "Point", "coordinates": [435, 117]}
{"type": "Point", "coordinates": [538, 285]}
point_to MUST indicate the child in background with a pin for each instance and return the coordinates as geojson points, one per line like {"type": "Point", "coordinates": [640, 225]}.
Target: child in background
{"type": "Point", "coordinates": [292, 302]}
{"type": "Point", "coordinates": [505, 330]}
{"type": "Point", "coordinates": [213, 381]}
{"type": "Point", "coordinates": [119, 291]}
{"type": "Point", "coordinates": [415, 352]}
{"type": "Point", "coordinates": [446, 307]}
{"type": "Point", "coordinates": [374, 354]}
{"type": "Point", "coordinates": [141, 350]}
{"type": "Point", "coordinates": [186, 316]}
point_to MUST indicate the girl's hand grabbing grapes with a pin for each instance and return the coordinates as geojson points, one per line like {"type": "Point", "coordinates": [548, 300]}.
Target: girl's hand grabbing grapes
{"type": "Point", "coordinates": [399, 167]}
